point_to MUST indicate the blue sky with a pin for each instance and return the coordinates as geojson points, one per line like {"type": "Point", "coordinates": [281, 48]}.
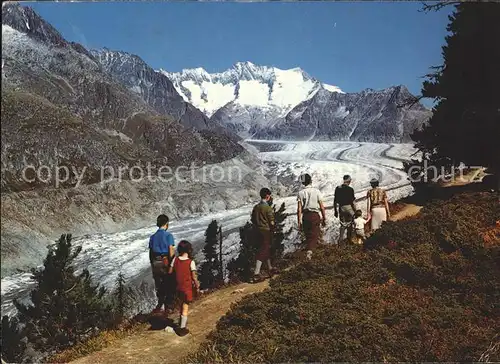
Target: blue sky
{"type": "Point", "coordinates": [353, 45]}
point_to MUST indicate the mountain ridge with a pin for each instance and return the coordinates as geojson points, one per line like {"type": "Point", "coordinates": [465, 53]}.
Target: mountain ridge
{"type": "Point", "coordinates": [265, 102]}
{"type": "Point", "coordinates": [40, 68]}
{"type": "Point", "coordinates": [367, 116]}
{"type": "Point", "coordinates": [155, 88]}
{"type": "Point", "coordinates": [212, 91]}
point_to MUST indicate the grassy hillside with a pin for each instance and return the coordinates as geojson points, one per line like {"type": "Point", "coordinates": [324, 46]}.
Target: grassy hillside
{"type": "Point", "coordinates": [425, 288]}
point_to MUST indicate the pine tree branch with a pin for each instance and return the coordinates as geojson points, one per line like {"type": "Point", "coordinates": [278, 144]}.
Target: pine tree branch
{"type": "Point", "coordinates": [438, 6]}
{"type": "Point", "coordinates": [409, 102]}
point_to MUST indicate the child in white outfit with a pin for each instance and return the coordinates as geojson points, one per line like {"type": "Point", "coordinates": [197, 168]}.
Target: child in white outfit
{"type": "Point", "coordinates": [359, 226]}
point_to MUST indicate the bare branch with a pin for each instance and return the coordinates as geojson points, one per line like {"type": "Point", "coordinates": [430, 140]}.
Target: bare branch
{"type": "Point", "coordinates": [409, 102]}
{"type": "Point", "coordinates": [69, 290]}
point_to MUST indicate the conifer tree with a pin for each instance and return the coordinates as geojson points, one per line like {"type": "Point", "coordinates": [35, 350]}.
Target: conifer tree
{"type": "Point", "coordinates": [242, 267]}
{"type": "Point", "coordinates": [279, 233]}
{"type": "Point", "coordinates": [13, 340]}
{"type": "Point", "coordinates": [209, 269]}
{"type": "Point", "coordinates": [65, 307]}
{"type": "Point", "coordinates": [465, 125]}
{"type": "Point", "coordinates": [123, 299]}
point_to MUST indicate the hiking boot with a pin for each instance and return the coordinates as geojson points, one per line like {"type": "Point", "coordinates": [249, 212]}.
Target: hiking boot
{"type": "Point", "coordinates": [157, 310]}
{"type": "Point", "coordinates": [256, 278]}
{"type": "Point", "coordinates": [274, 271]}
{"type": "Point", "coordinates": [182, 331]}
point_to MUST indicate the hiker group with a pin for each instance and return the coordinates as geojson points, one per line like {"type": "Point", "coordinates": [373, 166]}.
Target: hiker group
{"type": "Point", "coordinates": [311, 215]}
{"type": "Point", "coordinates": [175, 274]}
{"type": "Point", "coordinates": [351, 218]}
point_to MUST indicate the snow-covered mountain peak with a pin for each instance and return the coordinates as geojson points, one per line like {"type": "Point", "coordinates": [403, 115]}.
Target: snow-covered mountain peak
{"type": "Point", "coordinates": [247, 65]}
{"type": "Point", "coordinates": [246, 84]}
{"type": "Point", "coordinates": [332, 88]}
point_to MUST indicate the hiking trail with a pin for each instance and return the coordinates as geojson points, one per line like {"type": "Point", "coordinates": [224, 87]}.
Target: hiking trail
{"type": "Point", "coordinates": [155, 346]}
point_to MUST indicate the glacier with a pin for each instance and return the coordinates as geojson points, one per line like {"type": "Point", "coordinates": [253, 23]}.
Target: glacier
{"type": "Point", "coordinates": [326, 161]}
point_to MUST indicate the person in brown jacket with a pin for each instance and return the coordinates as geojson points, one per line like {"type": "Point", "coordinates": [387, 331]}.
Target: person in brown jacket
{"type": "Point", "coordinates": [263, 222]}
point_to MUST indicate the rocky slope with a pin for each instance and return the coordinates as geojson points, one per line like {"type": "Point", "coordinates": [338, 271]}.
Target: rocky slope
{"type": "Point", "coordinates": [33, 219]}
{"type": "Point", "coordinates": [154, 87]}
{"type": "Point", "coordinates": [63, 108]}
{"type": "Point", "coordinates": [367, 116]}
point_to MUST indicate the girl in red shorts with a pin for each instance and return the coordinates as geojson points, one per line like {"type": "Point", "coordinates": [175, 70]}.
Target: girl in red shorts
{"type": "Point", "coordinates": [184, 268]}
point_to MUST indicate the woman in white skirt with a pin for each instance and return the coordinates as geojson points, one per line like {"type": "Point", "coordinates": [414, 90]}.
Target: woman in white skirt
{"type": "Point", "coordinates": [377, 204]}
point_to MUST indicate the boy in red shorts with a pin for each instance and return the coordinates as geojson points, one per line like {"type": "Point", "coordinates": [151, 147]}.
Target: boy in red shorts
{"type": "Point", "coordinates": [184, 268]}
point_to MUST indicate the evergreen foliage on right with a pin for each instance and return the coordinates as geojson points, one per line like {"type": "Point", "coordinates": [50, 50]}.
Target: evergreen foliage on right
{"type": "Point", "coordinates": [465, 126]}
{"type": "Point", "coordinates": [210, 268]}
{"type": "Point", "coordinates": [65, 307]}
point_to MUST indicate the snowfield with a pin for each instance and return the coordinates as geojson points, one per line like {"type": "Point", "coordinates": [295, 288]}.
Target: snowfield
{"type": "Point", "coordinates": [105, 255]}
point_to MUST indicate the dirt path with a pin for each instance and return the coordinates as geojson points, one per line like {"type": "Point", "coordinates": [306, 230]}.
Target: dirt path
{"type": "Point", "coordinates": [411, 209]}
{"type": "Point", "coordinates": [407, 211]}
{"type": "Point", "coordinates": [469, 177]}
{"type": "Point", "coordinates": [159, 346]}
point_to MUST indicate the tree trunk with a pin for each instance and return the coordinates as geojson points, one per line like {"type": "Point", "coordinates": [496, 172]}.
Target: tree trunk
{"type": "Point", "coordinates": [221, 264]}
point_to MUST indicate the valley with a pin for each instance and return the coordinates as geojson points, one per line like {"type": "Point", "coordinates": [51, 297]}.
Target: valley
{"type": "Point", "coordinates": [107, 254]}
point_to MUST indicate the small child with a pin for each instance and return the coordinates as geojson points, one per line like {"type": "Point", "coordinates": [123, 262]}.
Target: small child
{"type": "Point", "coordinates": [184, 268]}
{"type": "Point", "coordinates": [359, 226]}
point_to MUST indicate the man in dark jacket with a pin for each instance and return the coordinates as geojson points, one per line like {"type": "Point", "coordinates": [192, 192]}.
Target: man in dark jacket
{"type": "Point", "coordinates": [344, 201]}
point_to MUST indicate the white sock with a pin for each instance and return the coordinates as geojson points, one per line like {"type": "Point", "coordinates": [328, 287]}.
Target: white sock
{"type": "Point", "coordinates": [257, 267]}
{"type": "Point", "coordinates": [269, 264]}
{"type": "Point", "coordinates": [184, 320]}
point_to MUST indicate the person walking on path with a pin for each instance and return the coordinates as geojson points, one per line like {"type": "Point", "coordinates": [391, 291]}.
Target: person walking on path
{"type": "Point", "coordinates": [184, 269]}
{"type": "Point", "coordinates": [344, 205]}
{"type": "Point", "coordinates": [309, 204]}
{"type": "Point", "coordinates": [161, 252]}
{"type": "Point", "coordinates": [263, 223]}
{"type": "Point", "coordinates": [377, 204]}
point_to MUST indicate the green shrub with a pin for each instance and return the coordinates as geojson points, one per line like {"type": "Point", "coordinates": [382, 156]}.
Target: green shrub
{"type": "Point", "coordinates": [66, 307]}
{"type": "Point", "coordinates": [123, 300]}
